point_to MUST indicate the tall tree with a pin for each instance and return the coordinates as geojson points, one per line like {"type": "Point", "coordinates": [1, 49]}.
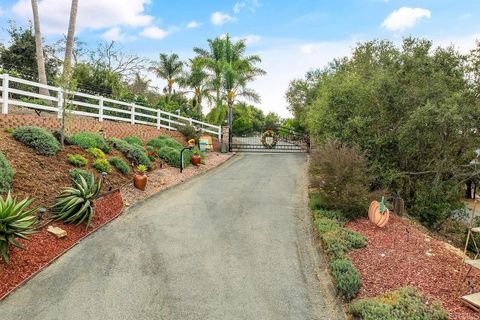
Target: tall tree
{"type": "Point", "coordinates": [196, 81]}
{"type": "Point", "coordinates": [67, 63]}
{"type": "Point", "coordinates": [170, 68]}
{"type": "Point", "coordinates": [42, 75]}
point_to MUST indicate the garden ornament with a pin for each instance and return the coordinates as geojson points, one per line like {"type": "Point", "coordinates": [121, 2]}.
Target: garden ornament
{"type": "Point", "coordinates": [378, 213]}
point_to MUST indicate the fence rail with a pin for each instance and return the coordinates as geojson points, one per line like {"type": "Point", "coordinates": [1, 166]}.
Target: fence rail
{"type": "Point", "coordinates": [24, 93]}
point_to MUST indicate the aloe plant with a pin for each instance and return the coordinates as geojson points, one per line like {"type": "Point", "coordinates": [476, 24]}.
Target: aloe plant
{"type": "Point", "coordinates": [16, 221]}
{"type": "Point", "coordinates": [75, 204]}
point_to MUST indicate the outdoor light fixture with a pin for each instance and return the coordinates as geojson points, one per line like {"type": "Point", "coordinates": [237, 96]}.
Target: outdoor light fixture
{"type": "Point", "coordinates": [191, 144]}
{"type": "Point", "coordinates": [104, 177]}
{"type": "Point", "coordinates": [41, 212]}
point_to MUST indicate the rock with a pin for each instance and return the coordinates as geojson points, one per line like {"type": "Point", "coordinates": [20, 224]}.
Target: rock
{"type": "Point", "coordinates": [57, 232]}
{"type": "Point", "coordinates": [127, 204]}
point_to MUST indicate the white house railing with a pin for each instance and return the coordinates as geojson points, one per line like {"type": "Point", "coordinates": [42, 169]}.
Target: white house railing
{"type": "Point", "coordinates": [23, 93]}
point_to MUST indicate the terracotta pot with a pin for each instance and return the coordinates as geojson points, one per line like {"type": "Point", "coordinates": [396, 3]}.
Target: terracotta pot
{"type": "Point", "coordinates": [196, 160]}
{"type": "Point", "coordinates": [140, 181]}
{"type": "Point", "coordinates": [376, 217]}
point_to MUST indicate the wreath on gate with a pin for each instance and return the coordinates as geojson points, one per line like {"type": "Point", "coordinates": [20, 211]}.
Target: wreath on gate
{"type": "Point", "coordinates": [269, 139]}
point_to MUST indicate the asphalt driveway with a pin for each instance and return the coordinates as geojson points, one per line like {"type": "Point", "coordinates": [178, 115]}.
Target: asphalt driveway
{"type": "Point", "coordinates": [232, 244]}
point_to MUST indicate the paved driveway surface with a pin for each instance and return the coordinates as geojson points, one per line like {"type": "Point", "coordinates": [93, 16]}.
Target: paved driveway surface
{"type": "Point", "coordinates": [232, 244]}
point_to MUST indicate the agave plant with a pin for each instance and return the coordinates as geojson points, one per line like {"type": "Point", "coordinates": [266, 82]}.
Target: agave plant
{"type": "Point", "coordinates": [15, 222]}
{"type": "Point", "coordinates": [74, 204]}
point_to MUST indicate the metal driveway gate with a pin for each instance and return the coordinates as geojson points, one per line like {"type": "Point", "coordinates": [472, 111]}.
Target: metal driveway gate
{"type": "Point", "coordinates": [277, 140]}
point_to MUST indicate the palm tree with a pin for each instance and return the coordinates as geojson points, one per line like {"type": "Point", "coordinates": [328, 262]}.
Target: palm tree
{"type": "Point", "coordinates": [139, 85]}
{"type": "Point", "coordinates": [67, 64]}
{"type": "Point", "coordinates": [212, 60]}
{"type": "Point", "coordinates": [42, 75]}
{"type": "Point", "coordinates": [196, 79]}
{"type": "Point", "coordinates": [170, 68]}
{"type": "Point", "coordinates": [238, 70]}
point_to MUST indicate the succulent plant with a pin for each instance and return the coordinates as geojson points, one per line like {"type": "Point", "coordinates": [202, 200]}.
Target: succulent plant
{"type": "Point", "coordinates": [16, 221]}
{"type": "Point", "coordinates": [141, 168]}
{"type": "Point", "coordinates": [74, 205]}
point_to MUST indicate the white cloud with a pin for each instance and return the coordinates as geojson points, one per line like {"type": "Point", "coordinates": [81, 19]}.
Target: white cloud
{"type": "Point", "coordinates": [154, 33]}
{"type": "Point", "coordinates": [405, 18]}
{"type": "Point", "coordinates": [249, 38]}
{"type": "Point", "coordinates": [92, 14]}
{"type": "Point", "coordinates": [193, 25]}
{"type": "Point", "coordinates": [251, 5]}
{"type": "Point", "coordinates": [218, 18]}
{"type": "Point", "coordinates": [114, 34]}
{"type": "Point", "coordinates": [1, 11]}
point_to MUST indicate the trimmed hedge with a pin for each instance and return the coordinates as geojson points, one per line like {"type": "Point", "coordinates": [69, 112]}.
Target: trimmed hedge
{"type": "Point", "coordinates": [402, 304]}
{"type": "Point", "coordinates": [76, 173]}
{"type": "Point", "coordinates": [37, 138]}
{"type": "Point", "coordinates": [6, 174]}
{"type": "Point", "coordinates": [132, 152]}
{"type": "Point", "coordinates": [121, 165]}
{"type": "Point", "coordinates": [87, 140]}
{"type": "Point", "coordinates": [77, 160]}
{"type": "Point", "coordinates": [346, 278]}
{"type": "Point", "coordinates": [134, 140]}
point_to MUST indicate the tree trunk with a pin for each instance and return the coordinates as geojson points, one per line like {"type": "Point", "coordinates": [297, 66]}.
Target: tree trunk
{"type": "Point", "coordinates": [468, 191]}
{"type": "Point", "coordinates": [42, 75]}
{"type": "Point", "coordinates": [67, 64]}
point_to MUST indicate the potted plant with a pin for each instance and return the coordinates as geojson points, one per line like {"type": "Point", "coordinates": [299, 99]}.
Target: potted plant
{"type": "Point", "coordinates": [140, 178]}
{"type": "Point", "coordinates": [196, 158]}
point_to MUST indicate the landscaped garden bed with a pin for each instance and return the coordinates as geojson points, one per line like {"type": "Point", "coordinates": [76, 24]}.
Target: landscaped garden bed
{"type": "Point", "coordinates": [401, 254]}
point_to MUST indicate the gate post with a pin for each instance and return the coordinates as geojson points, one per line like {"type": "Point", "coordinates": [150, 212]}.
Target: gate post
{"type": "Point", "coordinates": [226, 139]}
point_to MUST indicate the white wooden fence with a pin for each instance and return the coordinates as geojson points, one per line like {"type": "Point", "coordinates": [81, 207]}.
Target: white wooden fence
{"type": "Point", "coordinates": [23, 93]}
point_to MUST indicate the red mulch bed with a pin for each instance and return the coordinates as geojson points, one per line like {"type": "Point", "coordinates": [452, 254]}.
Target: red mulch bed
{"type": "Point", "coordinates": [401, 254]}
{"type": "Point", "coordinates": [43, 247]}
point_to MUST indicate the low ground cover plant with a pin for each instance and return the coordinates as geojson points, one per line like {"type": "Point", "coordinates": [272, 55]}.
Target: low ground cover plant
{"type": "Point", "coordinates": [402, 304]}
{"type": "Point", "coordinates": [134, 140]}
{"type": "Point", "coordinates": [134, 153]}
{"type": "Point", "coordinates": [77, 160]}
{"type": "Point", "coordinates": [6, 174]}
{"type": "Point", "coordinates": [75, 204]}
{"type": "Point", "coordinates": [121, 165]}
{"type": "Point", "coordinates": [172, 156]}
{"type": "Point", "coordinates": [16, 221]}
{"type": "Point", "coordinates": [102, 165]}
{"type": "Point", "coordinates": [346, 278]}
{"type": "Point", "coordinates": [162, 141]}
{"type": "Point", "coordinates": [96, 153]}
{"type": "Point", "coordinates": [8, 130]}
{"type": "Point", "coordinates": [88, 140]}
{"type": "Point", "coordinates": [39, 139]}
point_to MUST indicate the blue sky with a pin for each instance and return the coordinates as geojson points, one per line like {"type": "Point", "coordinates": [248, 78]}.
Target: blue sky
{"type": "Point", "coordinates": [291, 36]}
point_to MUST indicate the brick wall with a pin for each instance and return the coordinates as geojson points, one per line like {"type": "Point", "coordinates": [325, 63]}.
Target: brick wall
{"type": "Point", "coordinates": [78, 124]}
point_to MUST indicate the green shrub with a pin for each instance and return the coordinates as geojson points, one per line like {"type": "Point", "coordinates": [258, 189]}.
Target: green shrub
{"type": "Point", "coordinates": [314, 203]}
{"type": "Point", "coordinates": [340, 174]}
{"type": "Point", "coordinates": [16, 221]}
{"type": "Point", "coordinates": [77, 160]}
{"type": "Point", "coordinates": [347, 279]}
{"type": "Point", "coordinates": [8, 130]}
{"type": "Point", "coordinates": [163, 141]}
{"type": "Point", "coordinates": [172, 156]}
{"type": "Point", "coordinates": [188, 131]}
{"type": "Point", "coordinates": [330, 214]}
{"type": "Point", "coordinates": [402, 304]}
{"type": "Point", "coordinates": [37, 138]}
{"type": "Point", "coordinates": [335, 245]}
{"type": "Point", "coordinates": [121, 165]}
{"type": "Point", "coordinates": [88, 140]}
{"type": "Point", "coordinates": [96, 153]}
{"type": "Point", "coordinates": [102, 165]}
{"type": "Point", "coordinates": [134, 140]}
{"type": "Point", "coordinates": [75, 174]}
{"type": "Point", "coordinates": [75, 205]}
{"type": "Point", "coordinates": [132, 152]}
{"type": "Point", "coordinates": [6, 174]}
{"type": "Point", "coordinates": [354, 239]}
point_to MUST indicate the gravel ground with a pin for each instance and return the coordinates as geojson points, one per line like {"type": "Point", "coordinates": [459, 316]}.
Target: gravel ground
{"type": "Point", "coordinates": [167, 177]}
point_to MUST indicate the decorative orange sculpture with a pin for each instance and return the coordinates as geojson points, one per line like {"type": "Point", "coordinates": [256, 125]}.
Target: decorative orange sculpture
{"type": "Point", "coordinates": [378, 214]}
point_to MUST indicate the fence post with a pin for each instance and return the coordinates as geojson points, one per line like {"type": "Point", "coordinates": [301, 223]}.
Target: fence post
{"type": "Point", "coordinates": [60, 104]}
{"type": "Point", "coordinates": [190, 121]}
{"type": "Point", "coordinates": [5, 94]}
{"type": "Point", "coordinates": [158, 118]}
{"type": "Point", "coordinates": [219, 133]}
{"type": "Point", "coordinates": [100, 109]}
{"type": "Point", "coordinates": [169, 123]}
{"type": "Point", "coordinates": [132, 109]}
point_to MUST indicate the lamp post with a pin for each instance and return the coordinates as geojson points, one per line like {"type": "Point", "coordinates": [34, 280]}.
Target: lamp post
{"type": "Point", "coordinates": [191, 144]}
